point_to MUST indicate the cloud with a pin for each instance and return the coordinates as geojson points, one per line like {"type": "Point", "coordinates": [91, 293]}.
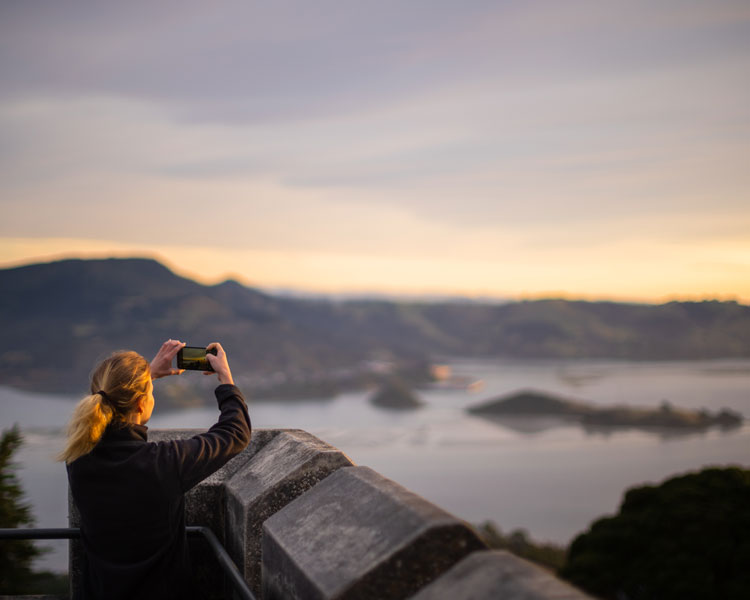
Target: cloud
{"type": "Point", "coordinates": [429, 131]}
{"type": "Point", "coordinates": [247, 61]}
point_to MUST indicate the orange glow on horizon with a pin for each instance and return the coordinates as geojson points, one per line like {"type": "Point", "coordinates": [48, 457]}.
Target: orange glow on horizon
{"type": "Point", "coordinates": [528, 279]}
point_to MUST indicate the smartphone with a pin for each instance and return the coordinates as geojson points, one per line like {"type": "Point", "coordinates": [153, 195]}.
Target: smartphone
{"type": "Point", "coordinates": [192, 358]}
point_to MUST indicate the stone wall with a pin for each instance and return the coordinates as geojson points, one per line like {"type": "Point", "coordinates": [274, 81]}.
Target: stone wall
{"type": "Point", "coordinates": [301, 521]}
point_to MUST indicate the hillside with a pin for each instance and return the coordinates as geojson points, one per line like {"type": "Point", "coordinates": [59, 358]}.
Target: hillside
{"type": "Point", "coordinates": [57, 318]}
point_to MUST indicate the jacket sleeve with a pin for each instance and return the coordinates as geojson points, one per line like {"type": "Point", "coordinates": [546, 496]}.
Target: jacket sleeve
{"type": "Point", "coordinates": [198, 457]}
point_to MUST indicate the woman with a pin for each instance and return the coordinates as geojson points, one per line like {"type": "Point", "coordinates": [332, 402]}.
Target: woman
{"type": "Point", "coordinates": [130, 492]}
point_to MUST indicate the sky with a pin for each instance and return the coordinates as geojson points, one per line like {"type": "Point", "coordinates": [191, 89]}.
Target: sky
{"type": "Point", "coordinates": [595, 149]}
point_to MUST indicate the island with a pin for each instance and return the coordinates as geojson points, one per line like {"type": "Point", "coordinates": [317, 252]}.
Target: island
{"type": "Point", "coordinates": [531, 403]}
{"type": "Point", "coordinates": [395, 393]}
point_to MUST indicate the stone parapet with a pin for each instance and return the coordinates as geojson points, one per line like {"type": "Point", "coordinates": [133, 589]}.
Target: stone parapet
{"type": "Point", "coordinates": [359, 535]}
{"type": "Point", "coordinates": [301, 522]}
{"type": "Point", "coordinates": [285, 468]}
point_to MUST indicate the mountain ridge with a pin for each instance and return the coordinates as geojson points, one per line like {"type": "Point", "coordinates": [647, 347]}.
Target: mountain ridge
{"type": "Point", "coordinates": [58, 318]}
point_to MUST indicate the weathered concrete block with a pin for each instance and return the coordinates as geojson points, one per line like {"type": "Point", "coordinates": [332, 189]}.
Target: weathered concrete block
{"type": "Point", "coordinates": [498, 574]}
{"type": "Point", "coordinates": [289, 465]}
{"type": "Point", "coordinates": [359, 535]}
{"type": "Point", "coordinates": [204, 504]}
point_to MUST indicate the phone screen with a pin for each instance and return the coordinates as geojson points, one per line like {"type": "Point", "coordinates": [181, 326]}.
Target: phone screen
{"type": "Point", "coordinates": [193, 358]}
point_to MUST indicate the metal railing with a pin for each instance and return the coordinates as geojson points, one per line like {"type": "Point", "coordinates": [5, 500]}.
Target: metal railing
{"type": "Point", "coordinates": [73, 533]}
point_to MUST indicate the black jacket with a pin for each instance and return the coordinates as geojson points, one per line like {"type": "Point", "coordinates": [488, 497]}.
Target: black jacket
{"type": "Point", "coordinates": [130, 493]}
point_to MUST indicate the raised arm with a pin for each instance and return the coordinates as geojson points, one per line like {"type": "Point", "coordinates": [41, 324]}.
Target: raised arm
{"type": "Point", "coordinates": [203, 454]}
{"type": "Point", "coordinates": [200, 456]}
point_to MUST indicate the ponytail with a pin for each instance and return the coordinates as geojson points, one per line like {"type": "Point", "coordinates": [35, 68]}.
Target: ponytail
{"type": "Point", "coordinates": [125, 377]}
{"type": "Point", "coordinates": [90, 419]}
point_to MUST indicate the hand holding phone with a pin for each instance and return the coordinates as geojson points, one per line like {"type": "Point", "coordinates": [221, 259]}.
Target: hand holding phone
{"type": "Point", "coordinates": [211, 359]}
{"type": "Point", "coordinates": [218, 360]}
{"type": "Point", "coordinates": [194, 358]}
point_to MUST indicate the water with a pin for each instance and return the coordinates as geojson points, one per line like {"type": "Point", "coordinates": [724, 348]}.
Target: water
{"type": "Point", "coordinates": [549, 477]}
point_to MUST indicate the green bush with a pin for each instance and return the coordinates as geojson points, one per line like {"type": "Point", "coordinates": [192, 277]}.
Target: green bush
{"type": "Point", "coordinates": [686, 538]}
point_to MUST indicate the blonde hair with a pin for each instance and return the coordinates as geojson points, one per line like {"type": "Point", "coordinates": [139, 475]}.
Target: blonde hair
{"type": "Point", "coordinates": [117, 383]}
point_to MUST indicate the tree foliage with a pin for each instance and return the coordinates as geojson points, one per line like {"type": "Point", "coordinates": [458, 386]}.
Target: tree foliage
{"type": "Point", "coordinates": [16, 556]}
{"type": "Point", "coordinates": [686, 538]}
{"type": "Point", "coordinates": [518, 542]}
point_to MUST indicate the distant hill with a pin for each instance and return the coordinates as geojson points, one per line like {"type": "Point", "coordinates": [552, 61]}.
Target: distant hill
{"type": "Point", "coordinates": [57, 318]}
